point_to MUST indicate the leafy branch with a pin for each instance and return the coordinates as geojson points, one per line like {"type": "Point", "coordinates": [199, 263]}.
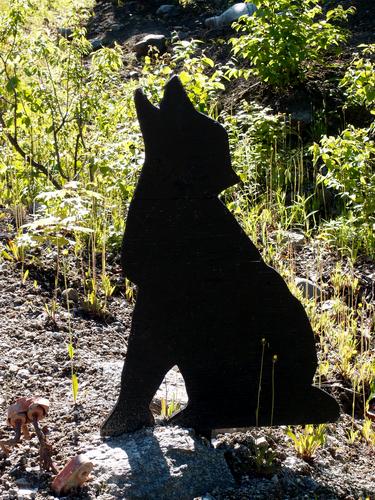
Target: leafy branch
{"type": "Point", "coordinates": [27, 158]}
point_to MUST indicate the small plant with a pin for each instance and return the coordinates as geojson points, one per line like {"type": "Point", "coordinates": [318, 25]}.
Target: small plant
{"type": "Point", "coordinates": [359, 79]}
{"type": "Point", "coordinates": [197, 72]}
{"type": "Point", "coordinates": [108, 288]}
{"type": "Point", "coordinates": [352, 435]}
{"type": "Point", "coordinates": [169, 408]}
{"type": "Point", "coordinates": [308, 440]}
{"type": "Point", "coordinates": [264, 457]}
{"type": "Point", "coordinates": [13, 251]}
{"type": "Point", "coordinates": [368, 431]}
{"type": "Point", "coordinates": [51, 311]}
{"type": "Point", "coordinates": [260, 382]}
{"type": "Point", "coordinates": [350, 171]}
{"type": "Point", "coordinates": [93, 303]}
{"type": "Point", "coordinates": [129, 291]}
{"type": "Point", "coordinates": [283, 38]}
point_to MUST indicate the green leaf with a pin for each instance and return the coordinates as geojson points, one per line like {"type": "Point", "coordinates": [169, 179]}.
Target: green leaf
{"type": "Point", "coordinates": [71, 351]}
{"type": "Point", "coordinates": [75, 386]}
{"type": "Point", "coordinates": [6, 255]}
{"type": "Point", "coordinates": [208, 61]}
{"type": "Point", "coordinates": [184, 77]}
{"type": "Point", "coordinates": [12, 83]}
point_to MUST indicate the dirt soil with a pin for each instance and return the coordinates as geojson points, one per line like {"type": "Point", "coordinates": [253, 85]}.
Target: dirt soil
{"type": "Point", "coordinates": [34, 356]}
{"type": "Point", "coordinates": [34, 361]}
{"type": "Point", "coordinates": [127, 24]}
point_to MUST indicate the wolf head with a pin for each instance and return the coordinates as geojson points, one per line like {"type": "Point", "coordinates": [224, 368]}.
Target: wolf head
{"type": "Point", "coordinates": [187, 153]}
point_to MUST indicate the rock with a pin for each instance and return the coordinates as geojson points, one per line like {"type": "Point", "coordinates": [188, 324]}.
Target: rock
{"type": "Point", "coordinates": [327, 305]}
{"type": "Point", "coordinates": [133, 74]}
{"type": "Point", "coordinates": [70, 294]}
{"type": "Point", "coordinates": [97, 43]}
{"type": "Point", "coordinates": [66, 33]}
{"type": "Point", "coordinates": [183, 35]}
{"type": "Point", "coordinates": [23, 373]}
{"type": "Point", "coordinates": [293, 238]}
{"type": "Point", "coordinates": [143, 46]}
{"type": "Point", "coordinates": [164, 462]}
{"type": "Point", "coordinates": [261, 442]}
{"type": "Point", "coordinates": [168, 10]}
{"type": "Point", "coordinates": [230, 15]}
{"type": "Point", "coordinates": [309, 289]}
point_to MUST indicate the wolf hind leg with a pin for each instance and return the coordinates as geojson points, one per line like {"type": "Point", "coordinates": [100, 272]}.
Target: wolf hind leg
{"type": "Point", "coordinates": [145, 366]}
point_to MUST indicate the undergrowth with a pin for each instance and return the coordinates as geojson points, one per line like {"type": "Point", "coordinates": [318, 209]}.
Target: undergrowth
{"type": "Point", "coordinates": [71, 150]}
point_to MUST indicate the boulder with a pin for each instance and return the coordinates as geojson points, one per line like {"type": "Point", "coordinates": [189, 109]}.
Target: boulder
{"type": "Point", "coordinates": [309, 289]}
{"type": "Point", "coordinates": [230, 15]}
{"type": "Point", "coordinates": [143, 46]}
{"type": "Point", "coordinates": [162, 462]}
{"type": "Point", "coordinates": [168, 10]}
{"type": "Point", "coordinates": [293, 238]}
{"type": "Point", "coordinates": [65, 32]}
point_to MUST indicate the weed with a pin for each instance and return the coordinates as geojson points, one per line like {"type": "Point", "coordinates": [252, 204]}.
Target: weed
{"type": "Point", "coordinates": [168, 408]}
{"type": "Point", "coordinates": [308, 440]}
{"type": "Point", "coordinates": [352, 435]}
{"type": "Point", "coordinates": [359, 79]}
{"type": "Point", "coordinates": [260, 383]}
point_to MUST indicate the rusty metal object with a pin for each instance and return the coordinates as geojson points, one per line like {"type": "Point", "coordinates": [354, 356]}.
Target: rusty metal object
{"type": "Point", "coordinates": [75, 473]}
{"type": "Point", "coordinates": [18, 411]}
{"type": "Point", "coordinates": [10, 443]}
{"type": "Point", "coordinates": [19, 415]}
{"type": "Point", "coordinates": [37, 411]}
{"type": "Point", "coordinates": [26, 411]}
{"type": "Point", "coordinates": [17, 418]}
{"type": "Point", "coordinates": [39, 407]}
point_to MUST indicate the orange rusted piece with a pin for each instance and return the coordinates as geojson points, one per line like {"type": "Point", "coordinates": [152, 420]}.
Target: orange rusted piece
{"type": "Point", "coordinates": [17, 413]}
{"type": "Point", "coordinates": [21, 413]}
{"type": "Point", "coordinates": [39, 408]}
{"type": "Point", "coordinates": [75, 473]}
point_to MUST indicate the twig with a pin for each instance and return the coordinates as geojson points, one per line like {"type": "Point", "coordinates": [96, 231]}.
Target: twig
{"type": "Point", "coordinates": [45, 450]}
{"type": "Point", "coordinates": [26, 157]}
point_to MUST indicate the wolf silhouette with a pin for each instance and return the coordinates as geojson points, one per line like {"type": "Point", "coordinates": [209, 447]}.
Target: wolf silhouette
{"type": "Point", "coordinates": [206, 300]}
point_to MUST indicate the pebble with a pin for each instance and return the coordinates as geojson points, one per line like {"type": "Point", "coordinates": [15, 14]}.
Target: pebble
{"type": "Point", "coordinates": [168, 10]}
{"type": "Point", "coordinates": [70, 294]}
{"type": "Point", "coordinates": [293, 238]}
{"type": "Point", "coordinates": [23, 373]}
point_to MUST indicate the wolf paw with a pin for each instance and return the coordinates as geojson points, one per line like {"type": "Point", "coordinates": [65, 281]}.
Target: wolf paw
{"type": "Point", "coordinates": [119, 422]}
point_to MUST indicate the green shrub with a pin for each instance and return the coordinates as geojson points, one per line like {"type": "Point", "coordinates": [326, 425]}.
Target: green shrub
{"type": "Point", "coordinates": [350, 162]}
{"type": "Point", "coordinates": [359, 79]}
{"type": "Point", "coordinates": [198, 73]}
{"type": "Point", "coordinates": [283, 37]}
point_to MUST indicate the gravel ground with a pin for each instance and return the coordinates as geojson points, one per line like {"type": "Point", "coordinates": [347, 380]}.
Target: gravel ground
{"type": "Point", "coordinates": [34, 361]}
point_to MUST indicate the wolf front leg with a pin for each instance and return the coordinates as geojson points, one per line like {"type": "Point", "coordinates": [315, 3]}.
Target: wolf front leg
{"type": "Point", "coordinates": [145, 366]}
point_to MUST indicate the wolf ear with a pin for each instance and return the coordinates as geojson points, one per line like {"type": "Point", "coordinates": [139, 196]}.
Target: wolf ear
{"type": "Point", "coordinates": [176, 100]}
{"type": "Point", "coordinates": [148, 114]}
